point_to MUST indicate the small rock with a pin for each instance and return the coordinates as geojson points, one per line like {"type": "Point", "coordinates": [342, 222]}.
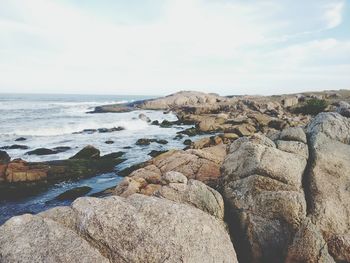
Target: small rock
{"type": "Point", "coordinates": [109, 142]}
{"type": "Point", "coordinates": [15, 147]}
{"type": "Point", "coordinates": [187, 142]}
{"type": "Point", "coordinates": [175, 177]}
{"type": "Point", "coordinates": [4, 157]}
{"type": "Point", "coordinates": [41, 151]}
{"type": "Point", "coordinates": [143, 141]}
{"type": "Point", "coordinates": [166, 124]}
{"type": "Point", "coordinates": [88, 152]}
{"type": "Point", "coordinates": [156, 122]}
{"type": "Point", "coordinates": [74, 193]}
{"type": "Point", "coordinates": [155, 153]}
{"type": "Point", "coordinates": [293, 134]}
{"type": "Point", "coordinates": [20, 139]}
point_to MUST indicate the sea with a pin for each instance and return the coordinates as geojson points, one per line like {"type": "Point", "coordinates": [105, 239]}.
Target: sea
{"type": "Point", "coordinates": [55, 120]}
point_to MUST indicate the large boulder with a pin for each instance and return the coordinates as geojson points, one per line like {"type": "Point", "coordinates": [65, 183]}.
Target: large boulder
{"type": "Point", "coordinates": [329, 178]}
{"type": "Point", "coordinates": [265, 204]}
{"type": "Point", "coordinates": [116, 229]}
{"type": "Point", "coordinates": [34, 239]}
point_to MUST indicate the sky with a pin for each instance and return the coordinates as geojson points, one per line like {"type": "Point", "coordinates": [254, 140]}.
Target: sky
{"type": "Point", "coordinates": [157, 47]}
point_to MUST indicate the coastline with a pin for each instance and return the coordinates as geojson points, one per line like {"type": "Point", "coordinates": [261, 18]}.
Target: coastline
{"type": "Point", "coordinates": [256, 165]}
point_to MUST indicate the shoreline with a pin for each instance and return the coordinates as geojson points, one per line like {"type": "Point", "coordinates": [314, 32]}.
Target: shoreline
{"type": "Point", "coordinates": [258, 165]}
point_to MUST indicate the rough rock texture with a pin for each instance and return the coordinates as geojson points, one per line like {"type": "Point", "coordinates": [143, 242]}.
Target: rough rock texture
{"type": "Point", "coordinates": [135, 229]}
{"type": "Point", "coordinates": [344, 109]}
{"type": "Point", "coordinates": [34, 239]}
{"type": "Point", "coordinates": [265, 204]}
{"type": "Point", "coordinates": [329, 179]}
{"type": "Point", "coordinates": [199, 164]}
{"type": "Point", "coordinates": [308, 246]}
{"type": "Point", "coordinates": [182, 98]}
{"type": "Point", "coordinates": [176, 187]}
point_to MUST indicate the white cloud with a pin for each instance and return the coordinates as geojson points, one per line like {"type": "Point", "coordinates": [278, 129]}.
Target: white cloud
{"type": "Point", "coordinates": [333, 15]}
{"type": "Point", "coordinates": [220, 46]}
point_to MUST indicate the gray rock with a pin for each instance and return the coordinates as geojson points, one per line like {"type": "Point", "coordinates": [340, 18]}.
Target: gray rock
{"type": "Point", "coordinates": [196, 194]}
{"type": "Point", "coordinates": [157, 230]}
{"type": "Point", "coordinates": [344, 109]}
{"type": "Point", "coordinates": [333, 125]}
{"type": "Point", "coordinates": [293, 134]}
{"type": "Point", "coordinates": [174, 177]}
{"type": "Point", "coordinates": [293, 147]}
{"type": "Point", "coordinates": [34, 239]}
{"type": "Point", "coordinates": [262, 187]}
{"type": "Point", "coordinates": [143, 117]}
{"type": "Point", "coordinates": [116, 229]}
{"type": "Point", "coordinates": [328, 178]}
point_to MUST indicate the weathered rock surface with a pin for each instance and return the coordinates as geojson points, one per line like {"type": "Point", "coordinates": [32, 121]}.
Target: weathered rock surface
{"type": "Point", "coordinates": [115, 229]}
{"type": "Point", "coordinates": [329, 180]}
{"type": "Point", "coordinates": [308, 246]}
{"type": "Point", "coordinates": [199, 164]}
{"type": "Point", "coordinates": [265, 204]}
{"type": "Point", "coordinates": [34, 239]}
{"type": "Point", "coordinates": [176, 187]}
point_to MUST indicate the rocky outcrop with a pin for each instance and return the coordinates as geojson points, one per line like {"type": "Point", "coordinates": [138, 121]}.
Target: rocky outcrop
{"type": "Point", "coordinates": [199, 164]}
{"type": "Point", "coordinates": [180, 99]}
{"type": "Point", "coordinates": [116, 229]}
{"type": "Point", "coordinates": [176, 187]}
{"type": "Point", "coordinates": [19, 178]}
{"type": "Point", "coordinates": [265, 204]}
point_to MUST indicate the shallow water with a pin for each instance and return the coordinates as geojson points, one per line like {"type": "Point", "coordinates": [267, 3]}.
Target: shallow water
{"type": "Point", "coordinates": [50, 120]}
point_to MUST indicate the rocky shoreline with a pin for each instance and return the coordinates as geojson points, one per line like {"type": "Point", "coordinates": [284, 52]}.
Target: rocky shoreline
{"type": "Point", "coordinates": [270, 183]}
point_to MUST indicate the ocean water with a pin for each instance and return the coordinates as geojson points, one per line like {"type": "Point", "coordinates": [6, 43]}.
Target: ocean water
{"type": "Point", "coordinates": [52, 120]}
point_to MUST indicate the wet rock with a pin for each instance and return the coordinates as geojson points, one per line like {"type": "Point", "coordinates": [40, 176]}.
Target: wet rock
{"type": "Point", "coordinates": [60, 149]}
{"type": "Point", "coordinates": [155, 122]}
{"type": "Point", "coordinates": [145, 141]}
{"type": "Point", "coordinates": [190, 132]}
{"type": "Point", "coordinates": [74, 193]}
{"type": "Point", "coordinates": [4, 157]}
{"type": "Point", "coordinates": [109, 142]}
{"type": "Point", "coordinates": [45, 151]}
{"type": "Point", "coordinates": [107, 130]}
{"type": "Point", "coordinates": [41, 151]}
{"type": "Point", "coordinates": [187, 142]}
{"type": "Point", "coordinates": [155, 153]}
{"type": "Point", "coordinates": [15, 147]}
{"type": "Point", "coordinates": [88, 152]}
{"type": "Point", "coordinates": [20, 139]}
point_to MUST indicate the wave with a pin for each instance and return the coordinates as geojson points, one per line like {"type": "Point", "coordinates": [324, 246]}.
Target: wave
{"type": "Point", "coordinates": [131, 125]}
